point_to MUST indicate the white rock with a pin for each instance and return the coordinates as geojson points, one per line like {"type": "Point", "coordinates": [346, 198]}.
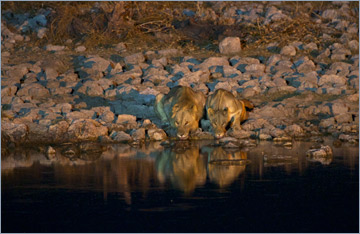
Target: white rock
{"type": "Point", "coordinates": [41, 32]}
{"type": "Point", "coordinates": [54, 48]}
{"type": "Point", "coordinates": [86, 129]}
{"type": "Point", "coordinates": [80, 49]}
{"type": "Point", "coordinates": [330, 14]}
{"type": "Point", "coordinates": [168, 52]}
{"type": "Point", "coordinates": [288, 51]}
{"type": "Point", "coordinates": [331, 79]}
{"type": "Point", "coordinates": [120, 46]}
{"type": "Point", "coordinates": [230, 45]}
{"type": "Point", "coordinates": [157, 134]}
{"type": "Point", "coordinates": [311, 46]}
{"type": "Point", "coordinates": [343, 118]}
{"type": "Point", "coordinates": [212, 61]}
{"type": "Point", "coordinates": [122, 119]}
{"type": "Point", "coordinates": [324, 151]}
{"type": "Point", "coordinates": [339, 108]}
{"type": "Point", "coordinates": [120, 136]}
{"type": "Point", "coordinates": [354, 45]}
{"type": "Point", "coordinates": [134, 58]}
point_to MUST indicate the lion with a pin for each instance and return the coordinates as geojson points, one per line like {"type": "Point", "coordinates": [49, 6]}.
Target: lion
{"type": "Point", "coordinates": [182, 108]}
{"type": "Point", "coordinates": [224, 110]}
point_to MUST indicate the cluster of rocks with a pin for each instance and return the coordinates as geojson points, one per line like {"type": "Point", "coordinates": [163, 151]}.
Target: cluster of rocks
{"type": "Point", "coordinates": [223, 13]}
{"type": "Point", "coordinates": [31, 110]}
{"type": "Point", "coordinates": [110, 98]}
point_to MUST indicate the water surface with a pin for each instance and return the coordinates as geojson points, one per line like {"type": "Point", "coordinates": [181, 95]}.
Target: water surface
{"type": "Point", "coordinates": [182, 187]}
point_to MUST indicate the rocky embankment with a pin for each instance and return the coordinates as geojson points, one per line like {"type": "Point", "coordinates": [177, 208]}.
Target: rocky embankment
{"type": "Point", "coordinates": [300, 90]}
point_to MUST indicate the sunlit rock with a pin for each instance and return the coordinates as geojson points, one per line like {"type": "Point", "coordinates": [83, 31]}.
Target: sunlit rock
{"type": "Point", "coordinates": [230, 45]}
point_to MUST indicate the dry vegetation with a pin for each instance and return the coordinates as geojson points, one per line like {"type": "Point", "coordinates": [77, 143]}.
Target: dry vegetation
{"type": "Point", "coordinates": [155, 25]}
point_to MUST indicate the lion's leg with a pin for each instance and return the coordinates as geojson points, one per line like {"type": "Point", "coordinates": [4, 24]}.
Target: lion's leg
{"type": "Point", "coordinates": [159, 107]}
{"type": "Point", "coordinates": [200, 98]}
{"type": "Point", "coordinates": [236, 120]}
{"type": "Point", "coordinates": [239, 116]}
{"type": "Point", "coordinates": [236, 117]}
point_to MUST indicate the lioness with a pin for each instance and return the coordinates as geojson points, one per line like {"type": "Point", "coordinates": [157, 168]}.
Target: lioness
{"type": "Point", "coordinates": [224, 110]}
{"type": "Point", "coordinates": [182, 108]}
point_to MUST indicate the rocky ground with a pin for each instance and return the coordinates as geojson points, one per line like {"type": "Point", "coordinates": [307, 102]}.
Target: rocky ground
{"type": "Point", "coordinates": [302, 88]}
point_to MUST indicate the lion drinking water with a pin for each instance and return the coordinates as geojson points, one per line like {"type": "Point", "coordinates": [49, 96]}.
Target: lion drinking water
{"type": "Point", "coordinates": [225, 110]}
{"type": "Point", "coordinates": [182, 108]}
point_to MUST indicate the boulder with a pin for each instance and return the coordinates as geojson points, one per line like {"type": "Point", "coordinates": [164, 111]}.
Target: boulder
{"type": "Point", "coordinates": [120, 136]}
{"type": "Point", "coordinates": [330, 14]}
{"type": "Point", "coordinates": [15, 132]}
{"type": "Point", "coordinates": [120, 46]}
{"type": "Point", "coordinates": [75, 115]}
{"type": "Point", "coordinates": [354, 45]}
{"type": "Point", "coordinates": [107, 116]}
{"type": "Point", "coordinates": [332, 79]}
{"type": "Point", "coordinates": [33, 90]}
{"type": "Point", "coordinates": [59, 131]}
{"type": "Point", "coordinates": [18, 71]}
{"type": "Point", "coordinates": [80, 49]}
{"type": "Point", "coordinates": [91, 66]}
{"type": "Point", "coordinates": [339, 108]}
{"type": "Point", "coordinates": [326, 123]}
{"type": "Point", "coordinates": [212, 61]}
{"type": "Point", "coordinates": [91, 88]}
{"type": "Point", "coordinates": [311, 46]}
{"type": "Point", "coordinates": [38, 133]}
{"type": "Point", "coordinates": [240, 133]}
{"type": "Point", "coordinates": [54, 47]}
{"type": "Point", "coordinates": [124, 119]}
{"type": "Point", "coordinates": [86, 130]}
{"type": "Point", "coordinates": [323, 151]}
{"type": "Point", "coordinates": [230, 45]}
{"type": "Point", "coordinates": [8, 91]}
{"type": "Point", "coordinates": [294, 131]}
{"type": "Point", "coordinates": [157, 134]}
{"type": "Point", "coordinates": [134, 58]}
{"type": "Point", "coordinates": [288, 51]}
{"type": "Point", "coordinates": [138, 134]}
{"type": "Point", "coordinates": [169, 52]}
{"type": "Point", "coordinates": [50, 73]}
{"type": "Point", "coordinates": [343, 118]}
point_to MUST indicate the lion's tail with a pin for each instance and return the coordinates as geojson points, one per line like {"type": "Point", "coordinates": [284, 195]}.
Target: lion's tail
{"type": "Point", "coordinates": [248, 104]}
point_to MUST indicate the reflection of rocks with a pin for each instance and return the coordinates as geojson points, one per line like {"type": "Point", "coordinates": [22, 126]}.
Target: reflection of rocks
{"type": "Point", "coordinates": [184, 167]}
{"type": "Point", "coordinates": [231, 142]}
{"type": "Point", "coordinates": [110, 169]}
{"type": "Point", "coordinates": [85, 151]}
{"type": "Point", "coordinates": [324, 155]}
{"type": "Point", "coordinates": [120, 169]}
{"type": "Point", "coordinates": [225, 166]}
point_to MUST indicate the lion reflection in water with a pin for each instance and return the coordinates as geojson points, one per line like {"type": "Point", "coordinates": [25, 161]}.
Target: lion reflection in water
{"type": "Point", "coordinates": [184, 167]}
{"type": "Point", "coordinates": [225, 166]}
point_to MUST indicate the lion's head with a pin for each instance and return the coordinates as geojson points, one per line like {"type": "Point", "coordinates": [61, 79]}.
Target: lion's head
{"type": "Point", "coordinates": [219, 120]}
{"type": "Point", "coordinates": [184, 120]}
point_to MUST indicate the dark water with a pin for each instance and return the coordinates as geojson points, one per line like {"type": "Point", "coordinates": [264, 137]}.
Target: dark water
{"type": "Point", "coordinates": [190, 187]}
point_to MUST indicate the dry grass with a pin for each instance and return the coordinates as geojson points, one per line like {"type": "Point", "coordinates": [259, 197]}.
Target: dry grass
{"type": "Point", "coordinates": [150, 25]}
{"type": "Point", "coordinates": [101, 23]}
